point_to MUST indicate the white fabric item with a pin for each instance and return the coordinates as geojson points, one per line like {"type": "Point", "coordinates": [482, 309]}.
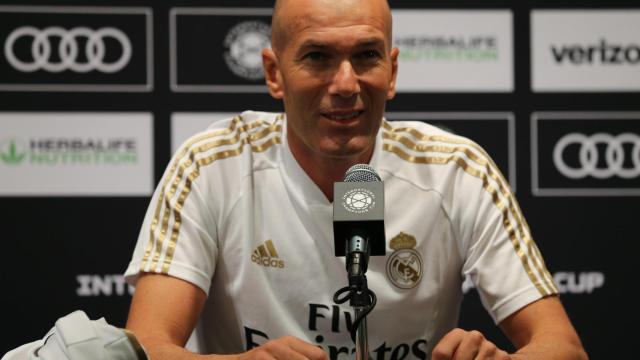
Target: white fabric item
{"type": "Point", "coordinates": [237, 216]}
{"type": "Point", "coordinates": [75, 337]}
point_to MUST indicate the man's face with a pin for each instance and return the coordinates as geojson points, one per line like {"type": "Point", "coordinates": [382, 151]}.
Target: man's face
{"type": "Point", "coordinates": [334, 71]}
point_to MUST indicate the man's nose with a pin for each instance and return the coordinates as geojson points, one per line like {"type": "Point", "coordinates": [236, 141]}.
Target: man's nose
{"type": "Point", "coordinates": [345, 81]}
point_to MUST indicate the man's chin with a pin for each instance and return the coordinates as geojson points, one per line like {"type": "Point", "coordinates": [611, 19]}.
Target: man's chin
{"type": "Point", "coordinates": [347, 151]}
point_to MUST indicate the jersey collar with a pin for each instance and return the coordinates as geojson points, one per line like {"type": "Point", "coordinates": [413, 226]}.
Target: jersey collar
{"type": "Point", "coordinates": [302, 183]}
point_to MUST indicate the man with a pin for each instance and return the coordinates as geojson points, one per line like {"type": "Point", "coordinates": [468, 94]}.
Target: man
{"type": "Point", "coordinates": [238, 238]}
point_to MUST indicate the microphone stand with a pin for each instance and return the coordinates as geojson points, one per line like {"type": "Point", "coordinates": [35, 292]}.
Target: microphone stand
{"type": "Point", "coordinates": [358, 228]}
{"type": "Point", "coordinates": [360, 297]}
{"type": "Point", "coordinates": [362, 344]}
{"type": "Point", "coordinates": [361, 306]}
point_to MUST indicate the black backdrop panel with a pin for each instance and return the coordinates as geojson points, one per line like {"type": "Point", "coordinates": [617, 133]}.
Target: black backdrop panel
{"type": "Point", "coordinates": [210, 40]}
{"type": "Point", "coordinates": [106, 46]}
{"type": "Point", "coordinates": [594, 153]}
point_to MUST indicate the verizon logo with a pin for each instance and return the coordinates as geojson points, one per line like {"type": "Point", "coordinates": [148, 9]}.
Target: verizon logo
{"type": "Point", "coordinates": [600, 53]}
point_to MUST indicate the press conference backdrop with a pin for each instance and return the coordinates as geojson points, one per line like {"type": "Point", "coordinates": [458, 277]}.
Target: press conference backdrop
{"type": "Point", "coordinates": [95, 96]}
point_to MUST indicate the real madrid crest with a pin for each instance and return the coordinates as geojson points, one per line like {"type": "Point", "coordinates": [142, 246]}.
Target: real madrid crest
{"type": "Point", "coordinates": [404, 267]}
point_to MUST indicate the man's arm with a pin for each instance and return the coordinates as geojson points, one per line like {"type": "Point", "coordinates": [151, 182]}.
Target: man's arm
{"type": "Point", "coordinates": [540, 330]}
{"type": "Point", "coordinates": [163, 313]}
{"type": "Point", "coordinates": [165, 310]}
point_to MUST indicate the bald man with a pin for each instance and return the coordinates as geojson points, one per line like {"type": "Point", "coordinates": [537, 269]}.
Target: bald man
{"type": "Point", "coordinates": [225, 245]}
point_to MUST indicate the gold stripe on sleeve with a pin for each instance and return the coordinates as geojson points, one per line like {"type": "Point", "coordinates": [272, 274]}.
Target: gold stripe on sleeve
{"type": "Point", "coordinates": [193, 176]}
{"type": "Point", "coordinates": [187, 164]}
{"type": "Point", "coordinates": [183, 168]}
{"type": "Point", "coordinates": [435, 148]}
{"type": "Point", "coordinates": [169, 175]}
{"type": "Point", "coordinates": [534, 248]}
{"type": "Point", "coordinates": [489, 166]}
{"type": "Point", "coordinates": [494, 174]}
{"type": "Point", "coordinates": [165, 196]}
{"type": "Point", "coordinates": [490, 189]}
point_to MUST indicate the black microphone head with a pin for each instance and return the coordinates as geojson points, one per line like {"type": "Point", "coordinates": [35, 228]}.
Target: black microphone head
{"type": "Point", "coordinates": [361, 173]}
{"type": "Point", "coordinates": [358, 210]}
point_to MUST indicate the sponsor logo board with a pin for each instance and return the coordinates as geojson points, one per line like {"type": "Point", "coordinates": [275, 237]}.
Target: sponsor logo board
{"type": "Point", "coordinates": [229, 60]}
{"type": "Point", "coordinates": [76, 154]}
{"type": "Point", "coordinates": [585, 154]}
{"type": "Point", "coordinates": [63, 48]}
{"type": "Point", "coordinates": [185, 125]}
{"type": "Point", "coordinates": [578, 282]}
{"type": "Point", "coordinates": [569, 282]}
{"type": "Point", "coordinates": [494, 132]}
{"type": "Point", "coordinates": [94, 285]}
{"type": "Point", "coordinates": [585, 50]}
{"type": "Point", "coordinates": [437, 54]}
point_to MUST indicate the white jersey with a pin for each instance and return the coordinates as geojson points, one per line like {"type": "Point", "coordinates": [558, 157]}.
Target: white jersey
{"type": "Point", "coordinates": [237, 216]}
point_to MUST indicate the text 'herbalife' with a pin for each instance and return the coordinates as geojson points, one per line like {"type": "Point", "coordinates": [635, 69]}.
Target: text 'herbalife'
{"type": "Point", "coordinates": [54, 151]}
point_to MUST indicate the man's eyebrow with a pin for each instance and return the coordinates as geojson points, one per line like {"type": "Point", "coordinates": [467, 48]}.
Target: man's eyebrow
{"type": "Point", "coordinates": [370, 43]}
{"type": "Point", "coordinates": [315, 44]}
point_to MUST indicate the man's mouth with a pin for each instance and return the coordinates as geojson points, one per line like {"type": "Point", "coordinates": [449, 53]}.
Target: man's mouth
{"type": "Point", "coordinates": [342, 115]}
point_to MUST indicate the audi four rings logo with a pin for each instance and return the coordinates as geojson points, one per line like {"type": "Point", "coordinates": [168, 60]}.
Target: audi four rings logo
{"type": "Point", "coordinates": [589, 156]}
{"type": "Point", "coordinates": [68, 49]}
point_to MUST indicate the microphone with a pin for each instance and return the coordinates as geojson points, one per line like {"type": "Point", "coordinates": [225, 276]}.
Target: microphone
{"type": "Point", "coordinates": [358, 217]}
{"type": "Point", "coordinates": [358, 231]}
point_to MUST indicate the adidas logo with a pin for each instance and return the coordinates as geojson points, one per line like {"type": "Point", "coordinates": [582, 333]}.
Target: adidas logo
{"type": "Point", "coordinates": [266, 255]}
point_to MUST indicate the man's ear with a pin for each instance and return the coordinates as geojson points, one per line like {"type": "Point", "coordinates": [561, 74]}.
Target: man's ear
{"type": "Point", "coordinates": [272, 74]}
{"type": "Point", "coordinates": [394, 73]}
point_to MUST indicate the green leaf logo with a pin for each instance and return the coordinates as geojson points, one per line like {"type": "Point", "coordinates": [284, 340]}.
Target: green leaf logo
{"type": "Point", "coordinates": [11, 154]}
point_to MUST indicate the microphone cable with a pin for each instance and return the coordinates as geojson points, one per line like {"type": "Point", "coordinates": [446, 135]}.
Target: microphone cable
{"type": "Point", "coordinates": [358, 298]}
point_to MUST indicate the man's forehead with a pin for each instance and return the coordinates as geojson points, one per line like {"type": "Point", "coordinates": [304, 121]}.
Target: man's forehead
{"type": "Point", "coordinates": [340, 13]}
{"type": "Point", "coordinates": [295, 17]}
{"type": "Point", "coordinates": [318, 23]}
{"type": "Point", "coordinates": [322, 40]}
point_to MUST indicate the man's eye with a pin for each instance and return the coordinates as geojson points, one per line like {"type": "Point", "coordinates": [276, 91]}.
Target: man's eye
{"type": "Point", "coordinates": [316, 56]}
{"type": "Point", "coordinates": [368, 54]}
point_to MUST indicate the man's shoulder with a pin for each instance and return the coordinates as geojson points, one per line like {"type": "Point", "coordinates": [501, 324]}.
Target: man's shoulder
{"type": "Point", "coordinates": [231, 142]}
{"type": "Point", "coordinates": [247, 128]}
{"type": "Point", "coordinates": [245, 121]}
{"type": "Point", "coordinates": [432, 157]}
{"type": "Point", "coordinates": [426, 143]}
{"type": "Point", "coordinates": [420, 129]}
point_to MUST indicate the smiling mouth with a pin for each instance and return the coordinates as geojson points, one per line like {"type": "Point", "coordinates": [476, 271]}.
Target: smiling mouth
{"type": "Point", "coordinates": [343, 116]}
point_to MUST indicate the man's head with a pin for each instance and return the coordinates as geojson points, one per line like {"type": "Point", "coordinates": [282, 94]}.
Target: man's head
{"type": "Point", "coordinates": [282, 9]}
{"type": "Point", "coordinates": [332, 64]}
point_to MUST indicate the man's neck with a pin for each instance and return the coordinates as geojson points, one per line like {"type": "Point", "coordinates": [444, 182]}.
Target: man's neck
{"type": "Point", "coordinates": [324, 171]}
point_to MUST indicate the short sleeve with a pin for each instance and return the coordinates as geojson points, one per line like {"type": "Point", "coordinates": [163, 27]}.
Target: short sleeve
{"type": "Point", "coordinates": [501, 257]}
{"type": "Point", "coordinates": [179, 234]}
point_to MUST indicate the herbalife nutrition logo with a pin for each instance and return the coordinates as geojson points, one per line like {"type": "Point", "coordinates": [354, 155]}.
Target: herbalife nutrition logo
{"type": "Point", "coordinates": [12, 152]}
{"type": "Point", "coordinates": [472, 48]}
{"type": "Point", "coordinates": [69, 151]}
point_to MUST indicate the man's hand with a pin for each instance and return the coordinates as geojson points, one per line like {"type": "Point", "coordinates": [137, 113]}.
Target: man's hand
{"type": "Point", "coordinates": [287, 347]}
{"type": "Point", "coordinates": [459, 344]}
{"type": "Point", "coordinates": [164, 311]}
{"type": "Point", "coordinates": [540, 330]}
